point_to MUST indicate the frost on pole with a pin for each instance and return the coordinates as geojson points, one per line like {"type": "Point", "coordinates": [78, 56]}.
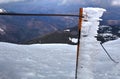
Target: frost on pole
{"type": "Point", "coordinates": [88, 42]}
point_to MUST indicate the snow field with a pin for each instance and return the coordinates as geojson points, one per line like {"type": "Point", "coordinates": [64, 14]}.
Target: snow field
{"type": "Point", "coordinates": [37, 61]}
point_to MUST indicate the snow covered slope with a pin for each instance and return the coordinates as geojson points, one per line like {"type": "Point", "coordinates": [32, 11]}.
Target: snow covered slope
{"type": "Point", "coordinates": [2, 11]}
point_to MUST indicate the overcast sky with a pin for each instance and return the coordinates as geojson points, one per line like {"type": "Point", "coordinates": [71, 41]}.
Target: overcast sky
{"type": "Point", "coordinates": [116, 2]}
{"type": "Point", "coordinates": [63, 2]}
{"type": "Point", "coordinates": [6, 1]}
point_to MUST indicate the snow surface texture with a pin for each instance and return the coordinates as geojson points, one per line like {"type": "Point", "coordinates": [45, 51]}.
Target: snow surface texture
{"type": "Point", "coordinates": [37, 61]}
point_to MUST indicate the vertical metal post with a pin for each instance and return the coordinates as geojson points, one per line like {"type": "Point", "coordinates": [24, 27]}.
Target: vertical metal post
{"type": "Point", "coordinates": [78, 44]}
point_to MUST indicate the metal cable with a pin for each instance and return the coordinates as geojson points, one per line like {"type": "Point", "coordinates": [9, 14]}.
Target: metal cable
{"type": "Point", "coordinates": [26, 14]}
{"type": "Point", "coordinates": [108, 54]}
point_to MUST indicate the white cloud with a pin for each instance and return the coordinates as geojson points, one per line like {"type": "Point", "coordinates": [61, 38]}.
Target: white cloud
{"type": "Point", "coordinates": [64, 2]}
{"type": "Point", "coordinates": [6, 1]}
{"type": "Point", "coordinates": [116, 2]}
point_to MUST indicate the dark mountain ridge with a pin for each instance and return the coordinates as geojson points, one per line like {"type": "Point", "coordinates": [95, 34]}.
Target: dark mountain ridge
{"type": "Point", "coordinates": [18, 29]}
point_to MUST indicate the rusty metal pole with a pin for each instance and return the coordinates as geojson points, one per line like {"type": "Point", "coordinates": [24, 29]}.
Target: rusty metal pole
{"type": "Point", "coordinates": [78, 44]}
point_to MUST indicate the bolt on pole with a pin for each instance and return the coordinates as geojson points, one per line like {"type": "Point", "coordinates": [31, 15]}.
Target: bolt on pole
{"type": "Point", "coordinates": [78, 44]}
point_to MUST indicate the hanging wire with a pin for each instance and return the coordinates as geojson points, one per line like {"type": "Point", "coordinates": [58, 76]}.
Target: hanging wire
{"type": "Point", "coordinates": [108, 54]}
